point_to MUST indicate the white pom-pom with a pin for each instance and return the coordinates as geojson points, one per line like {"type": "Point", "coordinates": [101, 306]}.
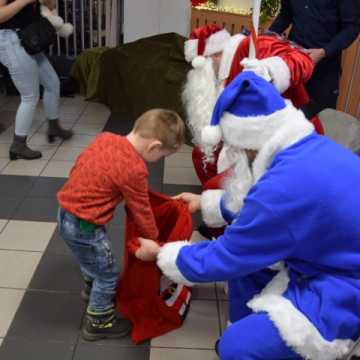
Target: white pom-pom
{"type": "Point", "coordinates": [198, 62]}
{"type": "Point", "coordinates": [66, 30]}
{"type": "Point", "coordinates": [211, 135]}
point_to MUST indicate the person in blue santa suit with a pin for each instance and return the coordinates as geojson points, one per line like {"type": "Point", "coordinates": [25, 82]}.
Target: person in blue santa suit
{"type": "Point", "coordinates": [291, 252]}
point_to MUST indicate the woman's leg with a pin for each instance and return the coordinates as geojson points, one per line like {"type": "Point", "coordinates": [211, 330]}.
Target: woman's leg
{"type": "Point", "coordinates": [24, 73]}
{"type": "Point", "coordinates": [51, 83]}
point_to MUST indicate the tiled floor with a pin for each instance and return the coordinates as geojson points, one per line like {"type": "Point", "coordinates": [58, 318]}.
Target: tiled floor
{"type": "Point", "coordinates": [41, 310]}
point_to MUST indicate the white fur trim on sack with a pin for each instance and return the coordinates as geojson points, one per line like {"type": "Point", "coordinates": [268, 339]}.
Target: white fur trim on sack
{"type": "Point", "coordinates": [228, 55]}
{"type": "Point", "coordinates": [279, 72]}
{"type": "Point", "coordinates": [166, 261]}
{"type": "Point", "coordinates": [210, 208]}
{"type": "Point", "coordinates": [294, 327]}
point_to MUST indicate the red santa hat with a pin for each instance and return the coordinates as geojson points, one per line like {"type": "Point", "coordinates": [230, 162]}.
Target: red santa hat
{"type": "Point", "coordinates": [205, 41]}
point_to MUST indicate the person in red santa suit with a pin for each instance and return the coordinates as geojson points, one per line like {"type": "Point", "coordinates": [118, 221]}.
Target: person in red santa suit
{"type": "Point", "coordinates": [217, 57]}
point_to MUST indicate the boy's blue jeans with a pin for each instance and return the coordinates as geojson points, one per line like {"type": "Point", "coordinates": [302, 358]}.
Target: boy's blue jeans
{"type": "Point", "coordinates": [93, 251]}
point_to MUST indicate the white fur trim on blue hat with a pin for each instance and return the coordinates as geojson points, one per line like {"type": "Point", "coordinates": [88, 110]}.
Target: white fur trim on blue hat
{"type": "Point", "coordinates": [211, 135]}
{"type": "Point", "coordinates": [253, 132]}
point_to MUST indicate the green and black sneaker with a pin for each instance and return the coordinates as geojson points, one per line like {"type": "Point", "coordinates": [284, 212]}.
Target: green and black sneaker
{"type": "Point", "coordinates": [104, 325]}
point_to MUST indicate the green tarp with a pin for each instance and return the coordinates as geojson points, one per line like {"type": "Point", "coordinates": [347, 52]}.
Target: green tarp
{"type": "Point", "coordinates": [135, 77]}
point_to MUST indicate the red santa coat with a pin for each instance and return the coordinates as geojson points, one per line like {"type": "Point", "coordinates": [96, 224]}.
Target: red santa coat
{"type": "Point", "coordinates": [290, 68]}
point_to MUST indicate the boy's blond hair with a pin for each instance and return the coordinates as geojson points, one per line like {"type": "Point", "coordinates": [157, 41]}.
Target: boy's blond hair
{"type": "Point", "coordinates": [163, 125]}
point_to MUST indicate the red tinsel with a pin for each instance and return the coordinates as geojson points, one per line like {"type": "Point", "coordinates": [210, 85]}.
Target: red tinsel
{"type": "Point", "coordinates": [198, 2]}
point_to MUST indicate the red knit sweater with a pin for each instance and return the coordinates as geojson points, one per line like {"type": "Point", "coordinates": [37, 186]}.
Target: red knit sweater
{"type": "Point", "coordinates": [106, 173]}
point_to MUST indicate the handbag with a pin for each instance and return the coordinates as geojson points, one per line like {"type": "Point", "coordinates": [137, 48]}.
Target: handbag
{"type": "Point", "coordinates": [37, 36]}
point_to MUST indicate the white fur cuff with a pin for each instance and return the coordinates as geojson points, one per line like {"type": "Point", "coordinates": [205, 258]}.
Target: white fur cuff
{"type": "Point", "coordinates": [279, 72]}
{"type": "Point", "coordinates": [210, 208]}
{"type": "Point", "coordinates": [166, 261]}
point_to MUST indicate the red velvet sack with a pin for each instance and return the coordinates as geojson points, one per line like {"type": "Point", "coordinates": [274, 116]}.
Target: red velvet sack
{"type": "Point", "coordinates": [153, 304]}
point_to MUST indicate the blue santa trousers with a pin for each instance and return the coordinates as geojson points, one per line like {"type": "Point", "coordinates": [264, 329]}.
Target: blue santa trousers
{"type": "Point", "coordinates": [251, 336]}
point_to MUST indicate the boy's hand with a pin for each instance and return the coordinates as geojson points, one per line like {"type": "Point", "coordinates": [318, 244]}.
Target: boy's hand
{"type": "Point", "coordinates": [148, 250]}
{"type": "Point", "coordinates": [193, 200]}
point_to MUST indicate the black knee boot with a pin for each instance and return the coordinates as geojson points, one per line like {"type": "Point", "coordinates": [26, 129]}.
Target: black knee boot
{"type": "Point", "coordinates": [19, 150]}
{"type": "Point", "coordinates": [55, 130]}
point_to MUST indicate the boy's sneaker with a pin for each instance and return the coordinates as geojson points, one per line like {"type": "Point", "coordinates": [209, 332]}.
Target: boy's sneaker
{"type": "Point", "coordinates": [85, 292]}
{"type": "Point", "coordinates": [106, 325]}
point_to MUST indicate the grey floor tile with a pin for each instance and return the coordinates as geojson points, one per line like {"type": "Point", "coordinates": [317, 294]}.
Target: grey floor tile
{"type": "Point", "coordinates": [57, 245]}
{"type": "Point", "coordinates": [224, 314]}
{"type": "Point", "coordinates": [156, 171]}
{"type": "Point", "coordinates": [117, 236]}
{"type": "Point", "coordinates": [117, 343]}
{"type": "Point", "coordinates": [9, 303]}
{"type": "Point", "coordinates": [17, 268]}
{"type": "Point", "coordinates": [9, 206]}
{"type": "Point", "coordinates": [21, 349]}
{"type": "Point", "coordinates": [57, 273]}
{"type": "Point", "coordinates": [181, 354]}
{"type": "Point", "coordinates": [95, 352]}
{"type": "Point", "coordinates": [37, 209]}
{"type": "Point", "coordinates": [173, 189]}
{"type": "Point", "coordinates": [204, 292]}
{"type": "Point", "coordinates": [16, 186]}
{"type": "Point", "coordinates": [119, 216]}
{"type": "Point", "coordinates": [200, 329]}
{"type": "Point", "coordinates": [26, 235]}
{"type": "Point", "coordinates": [7, 117]}
{"type": "Point", "coordinates": [46, 187]}
{"type": "Point", "coordinates": [155, 185]}
{"type": "Point", "coordinates": [119, 124]}
{"type": "Point", "coordinates": [48, 316]}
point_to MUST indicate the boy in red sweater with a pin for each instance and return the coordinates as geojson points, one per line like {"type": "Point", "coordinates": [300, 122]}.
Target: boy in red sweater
{"type": "Point", "coordinates": [112, 169]}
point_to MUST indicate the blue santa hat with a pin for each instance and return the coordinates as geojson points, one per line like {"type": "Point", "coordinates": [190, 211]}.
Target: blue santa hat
{"type": "Point", "coordinates": [247, 113]}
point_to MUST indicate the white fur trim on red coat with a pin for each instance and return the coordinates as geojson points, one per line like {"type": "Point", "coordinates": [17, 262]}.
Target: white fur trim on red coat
{"type": "Point", "coordinates": [279, 72]}
{"type": "Point", "coordinates": [210, 208]}
{"type": "Point", "coordinates": [294, 327]}
{"type": "Point", "coordinates": [166, 261]}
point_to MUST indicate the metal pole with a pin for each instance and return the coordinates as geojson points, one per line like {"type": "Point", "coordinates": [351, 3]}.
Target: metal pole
{"type": "Point", "coordinates": [75, 27]}
{"type": "Point", "coordinates": [91, 23]}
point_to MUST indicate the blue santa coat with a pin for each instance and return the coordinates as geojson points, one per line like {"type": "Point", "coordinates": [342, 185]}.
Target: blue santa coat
{"type": "Point", "coordinates": [305, 211]}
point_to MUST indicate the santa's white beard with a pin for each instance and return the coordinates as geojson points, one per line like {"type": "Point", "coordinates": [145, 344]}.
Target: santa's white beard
{"type": "Point", "coordinates": [199, 97]}
{"type": "Point", "coordinates": [238, 185]}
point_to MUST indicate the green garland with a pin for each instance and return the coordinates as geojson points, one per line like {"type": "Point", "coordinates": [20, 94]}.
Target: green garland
{"type": "Point", "coordinates": [269, 9]}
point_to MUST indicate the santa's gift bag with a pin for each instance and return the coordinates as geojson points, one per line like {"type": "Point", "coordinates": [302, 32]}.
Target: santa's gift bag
{"type": "Point", "coordinates": [150, 301]}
